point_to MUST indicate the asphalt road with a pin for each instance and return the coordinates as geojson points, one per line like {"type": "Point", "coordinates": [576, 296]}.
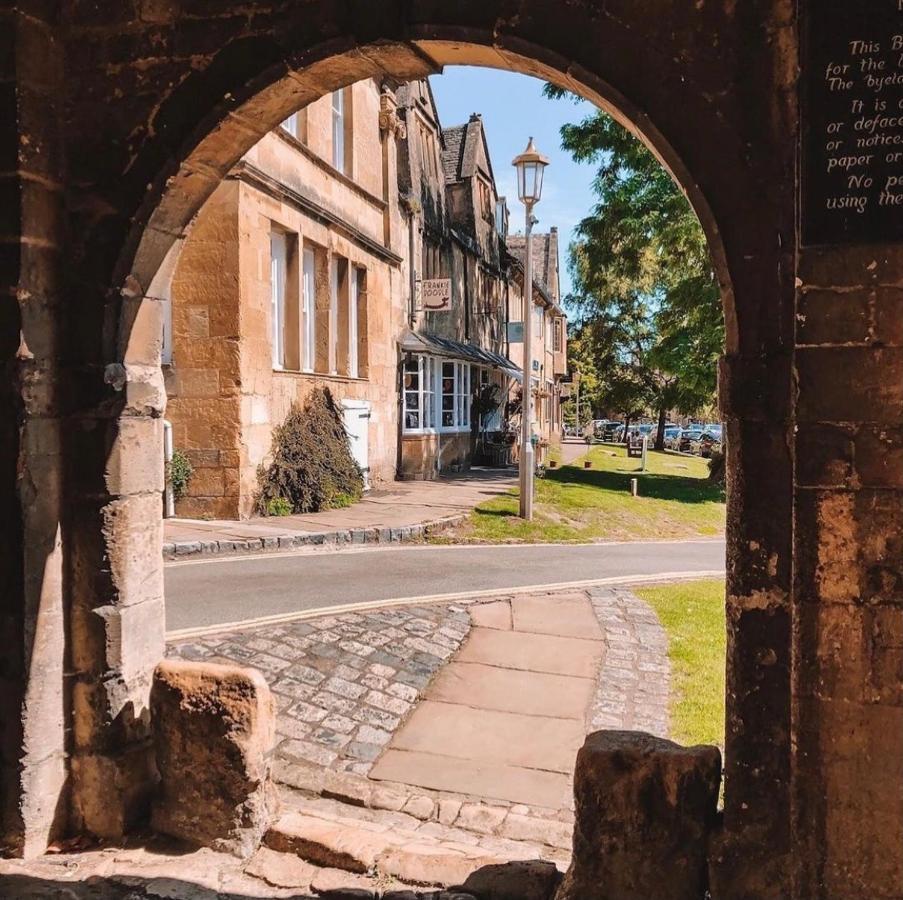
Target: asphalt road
{"type": "Point", "coordinates": [232, 589]}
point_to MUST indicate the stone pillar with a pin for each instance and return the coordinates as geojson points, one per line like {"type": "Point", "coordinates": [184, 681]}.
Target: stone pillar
{"type": "Point", "coordinates": [848, 653]}
{"type": "Point", "coordinates": [117, 618]}
{"type": "Point", "coordinates": [32, 621]}
{"type": "Point", "coordinates": [752, 853]}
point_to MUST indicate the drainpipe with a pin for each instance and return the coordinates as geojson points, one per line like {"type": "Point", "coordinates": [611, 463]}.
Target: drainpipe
{"type": "Point", "coordinates": [169, 500]}
{"type": "Point", "coordinates": [412, 287]}
{"type": "Point", "coordinates": [467, 295]}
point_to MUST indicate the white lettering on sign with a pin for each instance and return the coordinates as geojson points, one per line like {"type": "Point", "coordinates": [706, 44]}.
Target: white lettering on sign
{"type": "Point", "coordinates": [435, 294]}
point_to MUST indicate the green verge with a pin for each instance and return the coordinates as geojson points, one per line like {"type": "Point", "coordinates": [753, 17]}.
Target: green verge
{"type": "Point", "coordinates": [575, 504]}
{"type": "Point", "coordinates": [692, 613]}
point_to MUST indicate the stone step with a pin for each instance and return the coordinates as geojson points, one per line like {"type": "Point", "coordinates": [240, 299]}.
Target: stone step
{"type": "Point", "coordinates": [365, 850]}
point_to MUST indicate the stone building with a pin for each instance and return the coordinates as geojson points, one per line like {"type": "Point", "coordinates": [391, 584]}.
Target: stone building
{"type": "Point", "coordinates": [292, 277]}
{"type": "Point", "coordinates": [460, 233]}
{"type": "Point", "coordinates": [305, 268]}
{"type": "Point", "coordinates": [549, 329]}
{"type": "Point", "coordinates": [125, 117]}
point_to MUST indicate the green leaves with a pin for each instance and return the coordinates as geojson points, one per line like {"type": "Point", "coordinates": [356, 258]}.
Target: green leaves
{"type": "Point", "coordinates": [643, 280]}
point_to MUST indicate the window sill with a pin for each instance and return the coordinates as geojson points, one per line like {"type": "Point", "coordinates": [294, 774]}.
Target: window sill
{"type": "Point", "coordinates": [426, 432]}
{"type": "Point", "coordinates": [327, 376]}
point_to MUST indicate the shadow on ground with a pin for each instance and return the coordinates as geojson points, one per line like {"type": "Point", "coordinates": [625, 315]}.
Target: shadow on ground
{"type": "Point", "coordinates": [653, 486]}
{"type": "Point", "coordinates": [533, 880]}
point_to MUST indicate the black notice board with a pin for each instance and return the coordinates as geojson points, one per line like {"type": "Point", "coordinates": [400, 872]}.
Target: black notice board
{"type": "Point", "coordinates": [852, 121]}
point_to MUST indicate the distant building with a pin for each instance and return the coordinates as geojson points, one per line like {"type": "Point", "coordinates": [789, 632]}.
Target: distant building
{"type": "Point", "coordinates": [549, 331]}
{"type": "Point", "coordinates": [362, 247]}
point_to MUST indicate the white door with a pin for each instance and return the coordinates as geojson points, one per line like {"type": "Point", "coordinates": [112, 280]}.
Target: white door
{"type": "Point", "coordinates": [356, 414]}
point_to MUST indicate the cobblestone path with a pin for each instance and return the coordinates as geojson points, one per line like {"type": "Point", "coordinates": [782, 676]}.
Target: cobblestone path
{"type": "Point", "coordinates": [343, 684]}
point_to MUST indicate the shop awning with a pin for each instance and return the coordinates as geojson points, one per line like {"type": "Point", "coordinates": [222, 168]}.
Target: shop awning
{"type": "Point", "coordinates": [432, 344]}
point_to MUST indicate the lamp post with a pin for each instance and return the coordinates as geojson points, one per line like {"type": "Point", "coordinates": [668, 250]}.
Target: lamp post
{"type": "Point", "coordinates": [530, 166]}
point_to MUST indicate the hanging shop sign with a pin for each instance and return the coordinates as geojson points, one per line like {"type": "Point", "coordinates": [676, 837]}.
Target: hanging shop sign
{"type": "Point", "coordinates": [434, 294]}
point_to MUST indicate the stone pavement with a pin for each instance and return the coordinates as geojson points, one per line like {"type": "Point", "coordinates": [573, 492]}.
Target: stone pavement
{"type": "Point", "coordinates": [399, 511]}
{"type": "Point", "coordinates": [505, 718]}
{"type": "Point", "coordinates": [465, 715]}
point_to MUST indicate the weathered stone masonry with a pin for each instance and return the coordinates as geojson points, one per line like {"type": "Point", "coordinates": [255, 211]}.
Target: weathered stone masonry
{"type": "Point", "coordinates": [129, 113]}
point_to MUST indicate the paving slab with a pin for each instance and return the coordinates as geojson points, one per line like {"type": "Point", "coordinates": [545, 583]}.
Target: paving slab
{"type": "Point", "coordinates": [532, 652]}
{"type": "Point", "coordinates": [513, 690]}
{"type": "Point", "coordinates": [565, 615]}
{"type": "Point", "coordinates": [493, 615]}
{"type": "Point", "coordinates": [486, 735]}
{"type": "Point", "coordinates": [550, 790]}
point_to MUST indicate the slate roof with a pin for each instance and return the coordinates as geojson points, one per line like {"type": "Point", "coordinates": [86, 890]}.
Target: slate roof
{"type": "Point", "coordinates": [453, 152]}
{"type": "Point", "coordinates": [545, 259]}
{"type": "Point", "coordinates": [462, 142]}
{"type": "Point", "coordinates": [417, 342]}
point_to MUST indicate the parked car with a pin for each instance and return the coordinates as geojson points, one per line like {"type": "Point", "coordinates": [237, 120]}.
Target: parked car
{"type": "Point", "coordinates": [688, 437]}
{"type": "Point", "coordinates": [607, 429]}
{"type": "Point", "coordinates": [672, 437]}
{"type": "Point", "coordinates": [709, 442]}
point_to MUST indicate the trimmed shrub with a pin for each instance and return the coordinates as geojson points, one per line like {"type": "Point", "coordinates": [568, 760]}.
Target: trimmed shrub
{"type": "Point", "coordinates": [312, 467]}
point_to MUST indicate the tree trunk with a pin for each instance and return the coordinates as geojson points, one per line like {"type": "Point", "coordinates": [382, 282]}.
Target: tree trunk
{"type": "Point", "coordinates": [626, 429]}
{"type": "Point", "coordinates": [660, 434]}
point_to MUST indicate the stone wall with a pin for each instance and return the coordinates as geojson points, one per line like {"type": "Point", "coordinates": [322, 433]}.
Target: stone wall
{"type": "Point", "coordinates": [226, 396]}
{"type": "Point", "coordinates": [204, 378]}
{"type": "Point", "coordinates": [161, 99]}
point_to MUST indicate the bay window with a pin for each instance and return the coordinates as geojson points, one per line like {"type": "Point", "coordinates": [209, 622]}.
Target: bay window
{"type": "Point", "coordinates": [436, 395]}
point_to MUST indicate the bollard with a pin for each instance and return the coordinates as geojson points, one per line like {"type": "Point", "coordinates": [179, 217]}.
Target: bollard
{"type": "Point", "coordinates": [634, 487]}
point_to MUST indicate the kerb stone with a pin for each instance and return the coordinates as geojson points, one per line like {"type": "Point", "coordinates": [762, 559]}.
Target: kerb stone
{"type": "Point", "coordinates": [644, 810]}
{"type": "Point", "coordinates": [214, 732]}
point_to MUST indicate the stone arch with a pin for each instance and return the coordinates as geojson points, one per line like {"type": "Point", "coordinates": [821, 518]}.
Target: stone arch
{"type": "Point", "coordinates": [717, 116]}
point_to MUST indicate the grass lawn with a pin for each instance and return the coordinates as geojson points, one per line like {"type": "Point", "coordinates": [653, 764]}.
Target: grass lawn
{"type": "Point", "coordinates": [693, 615]}
{"type": "Point", "coordinates": [576, 504]}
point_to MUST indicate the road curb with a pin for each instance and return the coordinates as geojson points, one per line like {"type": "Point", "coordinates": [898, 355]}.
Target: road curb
{"type": "Point", "coordinates": [173, 550]}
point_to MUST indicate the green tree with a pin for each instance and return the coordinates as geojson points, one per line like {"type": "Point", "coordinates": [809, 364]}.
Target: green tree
{"type": "Point", "coordinates": [643, 277]}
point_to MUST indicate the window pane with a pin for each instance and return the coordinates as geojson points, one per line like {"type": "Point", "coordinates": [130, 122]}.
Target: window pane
{"type": "Point", "coordinates": [412, 420]}
{"type": "Point", "coordinates": [309, 310]}
{"type": "Point", "coordinates": [278, 256]}
{"type": "Point", "coordinates": [338, 130]}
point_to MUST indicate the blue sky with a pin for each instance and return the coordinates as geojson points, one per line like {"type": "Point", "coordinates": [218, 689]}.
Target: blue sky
{"type": "Point", "coordinates": [513, 109]}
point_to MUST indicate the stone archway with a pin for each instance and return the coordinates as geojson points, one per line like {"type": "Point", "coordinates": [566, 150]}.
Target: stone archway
{"type": "Point", "coordinates": [161, 101]}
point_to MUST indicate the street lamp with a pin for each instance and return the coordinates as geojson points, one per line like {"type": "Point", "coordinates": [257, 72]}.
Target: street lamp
{"type": "Point", "coordinates": [530, 166]}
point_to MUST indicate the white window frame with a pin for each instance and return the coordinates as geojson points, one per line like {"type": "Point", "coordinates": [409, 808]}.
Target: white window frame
{"type": "Point", "coordinates": [291, 125]}
{"type": "Point", "coordinates": [338, 131]}
{"type": "Point", "coordinates": [424, 367]}
{"type": "Point", "coordinates": [278, 273]}
{"type": "Point", "coordinates": [431, 375]}
{"type": "Point", "coordinates": [354, 285]}
{"type": "Point", "coordinates": [309, 308]}
{"type": "Point", "coordinates": [334, 285]}
{"type": "Point", "coordinates": [460, 396]}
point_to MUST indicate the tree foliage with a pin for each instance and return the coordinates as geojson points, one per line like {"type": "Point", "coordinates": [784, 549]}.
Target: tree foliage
{"type": "Point", "coordinates": [644, 287]}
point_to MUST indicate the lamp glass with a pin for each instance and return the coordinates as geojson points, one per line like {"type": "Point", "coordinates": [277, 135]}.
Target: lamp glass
{"type": "Point", "coordinates": [530, 165]}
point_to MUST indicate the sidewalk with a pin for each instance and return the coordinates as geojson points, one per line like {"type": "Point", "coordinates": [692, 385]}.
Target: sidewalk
{"type": "Point", "coordinates": [466, 714]}
{"type": "Point", "coordinates": [400, 511]}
